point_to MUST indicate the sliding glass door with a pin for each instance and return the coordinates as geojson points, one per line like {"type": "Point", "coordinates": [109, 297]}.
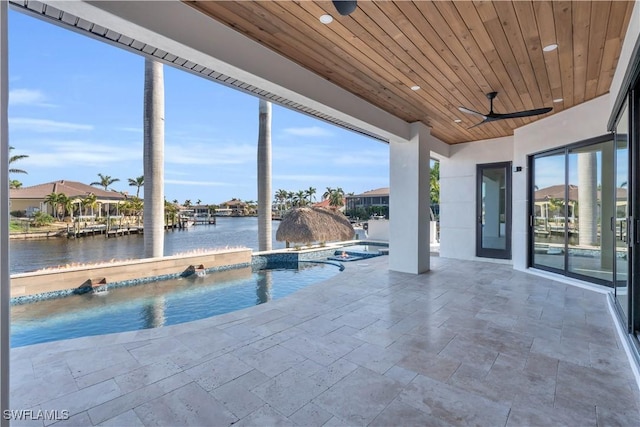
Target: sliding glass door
{"type": "Point", "coordinates": [573, 211]}
{"type": "Point", "coordinates": [549, 225]}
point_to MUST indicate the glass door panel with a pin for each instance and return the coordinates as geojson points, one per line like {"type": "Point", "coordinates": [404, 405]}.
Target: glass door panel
{"type": "Point", "coordinates": [591, 211]}
{"type": "Point", "coordinates": [494, 211]}
{"type": "Point", "coordinates": [622, 213]}
{"type": "Point", "coordinates": [548, 222]}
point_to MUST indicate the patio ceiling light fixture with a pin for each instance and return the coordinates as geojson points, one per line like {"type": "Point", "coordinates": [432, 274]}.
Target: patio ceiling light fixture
{"type": "Point", "coordinates": [550, 47]}
{"type": "Point", "coordinates": [326, 19]}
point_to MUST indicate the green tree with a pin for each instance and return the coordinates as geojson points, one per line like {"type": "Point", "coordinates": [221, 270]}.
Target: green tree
{"type": "Point", "coordinates": [137, 182]}
{"type": "Point", "coordinates": [311, 194]}
{"type": "Point", "coordinates": [15, 158]}
{"type": "Point", "coordinates": [105, 181]}
{"type": "Point", "coordinates": [434, 184]}
{"type": "Point", "coordinates": [89, 202]}
{"type": "Point", "coordinates": [336, 198]}
{"type": "Point", "coordinates": [54, 200]}
{"type": "Point", "coordinates": [41, 219]}
{"type": "Point", "coordinates": [187, 203]}
{"type": "Point", "coordinates": [14, 183]}
{"type": "Point", "coordinates": [66, 203]}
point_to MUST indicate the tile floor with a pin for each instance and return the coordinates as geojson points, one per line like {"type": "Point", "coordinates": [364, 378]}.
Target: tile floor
{"type": "Point", "coordinates": [468, 343]}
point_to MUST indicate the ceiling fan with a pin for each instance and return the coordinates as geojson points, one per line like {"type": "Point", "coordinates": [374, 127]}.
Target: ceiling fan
{"type": "Point", "coordinates": [345, 7]}
{"type": "Point", "coordinates": [491, 116]}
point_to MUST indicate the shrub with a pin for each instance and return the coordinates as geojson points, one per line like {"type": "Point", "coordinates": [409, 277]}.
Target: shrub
{"type": "Point", "coordinates": [41, 219]}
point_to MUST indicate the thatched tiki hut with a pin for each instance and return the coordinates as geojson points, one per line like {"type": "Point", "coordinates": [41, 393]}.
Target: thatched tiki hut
{"type": "Point", "coordinates": [314, 224]}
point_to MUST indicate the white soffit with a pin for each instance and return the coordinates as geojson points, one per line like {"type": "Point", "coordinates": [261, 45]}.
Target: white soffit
{"type": "Point", "coordinates": [181, 36]}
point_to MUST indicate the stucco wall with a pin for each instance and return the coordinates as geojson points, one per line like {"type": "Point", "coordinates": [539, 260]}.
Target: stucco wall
{"type": "Point", "coordinates": [458, 193]}
{"type": "Point", "coordinates": [458, 175]}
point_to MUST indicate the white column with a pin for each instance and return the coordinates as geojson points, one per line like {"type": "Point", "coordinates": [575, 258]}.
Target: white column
{"type": "Point", "coordinates": [587, 198]}
{"type": "Point", "coordinates": [5, 288]}
{"type": "Point", "coordinates": [409, 202]}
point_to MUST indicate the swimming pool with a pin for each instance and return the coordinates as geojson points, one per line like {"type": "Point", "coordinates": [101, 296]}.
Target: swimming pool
{"type": "Point", "coordinates": [158, 304]}
{"type": "Point", "coordinates": [364, 248]}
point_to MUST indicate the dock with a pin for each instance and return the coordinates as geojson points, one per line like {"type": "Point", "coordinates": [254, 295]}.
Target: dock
{"type": "Point", "coordinates": [101, 229]}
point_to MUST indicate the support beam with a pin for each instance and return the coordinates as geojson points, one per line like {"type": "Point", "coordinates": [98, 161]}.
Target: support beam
{"type": "Point", "coordinates": [409, 202]}
{"type": "Point", "coordinates": [5, 289]}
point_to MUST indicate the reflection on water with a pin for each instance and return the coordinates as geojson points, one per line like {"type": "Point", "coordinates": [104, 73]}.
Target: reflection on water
{"type": "Point", "coordinates": [263, 286]}
{"type": "Point", "coordinates": [157, 304]}
{"type": "Point", "coordinates": [153, 313]}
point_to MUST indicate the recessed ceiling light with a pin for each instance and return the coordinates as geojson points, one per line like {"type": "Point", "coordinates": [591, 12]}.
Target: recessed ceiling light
{"type": "Point", "coordinates": [550, 48]}
{"type": "Point", "coordinates": [558, 100]}
{"type": "Point", "coordinates": [326, 19]}
{"type": "Point", "coordinates": [458, 121]}
{"type": "Point", "coordinates": [416, 87]}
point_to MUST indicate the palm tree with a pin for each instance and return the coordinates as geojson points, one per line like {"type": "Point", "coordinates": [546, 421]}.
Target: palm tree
{"type": "Point", "coordinates": [336, 198]}
{"type": "Point", "coordinates": [301, 198]}
{"type": "Point", "coordinates": [327, 193]}
{"type": "Point", "coordinates": [14, 183]}
{"type": "Point", "coordinates": [66, 203]}
{"type": "Point", "coordinates": [187, 203]}
{"type": "Point", "coordinates": [105, 181]}
{"type": "Point", "coordinates": [137, 182]}
{"type": "Point", "coordinates": [90, 202]}
{"type": "Point", "coordinates": [281, 197]}
{"type": "Point", "coordinates": [264, 176]}
{"type": "Point", "coordinates": [153, 158]}
{"type": "Point", "coordinates": [311, 192]}
{"type": "Point", "coordinates": [53, 199]}
{"type": "Point", "coordinates": [15, 158]}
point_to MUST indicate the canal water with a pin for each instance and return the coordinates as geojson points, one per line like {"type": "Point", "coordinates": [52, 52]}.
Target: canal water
{"type": "Point", "coordinates": [229, 232]}
{"type": "Point", "coordinates": [31, 255]}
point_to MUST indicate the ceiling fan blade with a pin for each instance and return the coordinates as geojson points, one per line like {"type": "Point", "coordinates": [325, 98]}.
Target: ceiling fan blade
{"type": "Point", "coordinates": [478, 124]}
{"type": "Point", "coordinates": [468, 111]}
{"type": "Point", "coordinates": [345, 7]}
{"type": "Point", "coordinates": [518, 114]}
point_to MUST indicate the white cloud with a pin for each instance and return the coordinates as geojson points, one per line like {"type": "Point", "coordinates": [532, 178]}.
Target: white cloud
{"type": "Point", "coordinates": [130, 129]}
{"type": "Point", "coordinates": [328, 178]}
{"type": "Point", "coordinates": [311, 131]}
{"type": "Point", "coordinates": [210, 154]}
{"type": "Point", "coordinates": [28, 97]}
{"type": "Point", "coordinates": [69, 154]}
{"type": "Point", "coordinates": [199, 183]}
{"type": "Point", "coordinates": [362, 158]}
{"type": "Point", "coordinates": [45, 126]}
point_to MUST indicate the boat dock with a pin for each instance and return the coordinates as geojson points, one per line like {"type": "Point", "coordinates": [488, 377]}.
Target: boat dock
{"type": "Point", "coordinates": [101, 229]}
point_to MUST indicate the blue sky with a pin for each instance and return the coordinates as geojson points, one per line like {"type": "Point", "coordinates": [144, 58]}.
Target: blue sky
{"type": "Point", "coordinates": [75, 108]}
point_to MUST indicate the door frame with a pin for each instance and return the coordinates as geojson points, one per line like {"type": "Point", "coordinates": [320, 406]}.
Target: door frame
{"type": "Point", "coordinates": [487, 252]}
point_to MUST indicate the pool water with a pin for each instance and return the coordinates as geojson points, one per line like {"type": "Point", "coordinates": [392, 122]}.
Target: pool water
{"type": "Point", "coordinates": [367, 249]}
{"type": "Point", "coordinates": [158, 304]}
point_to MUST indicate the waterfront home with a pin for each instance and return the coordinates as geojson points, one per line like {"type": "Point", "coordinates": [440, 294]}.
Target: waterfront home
{"type": "Point", "coordinates": [28, 200]}
{"type": "Point", "coordinates": [233, 207]}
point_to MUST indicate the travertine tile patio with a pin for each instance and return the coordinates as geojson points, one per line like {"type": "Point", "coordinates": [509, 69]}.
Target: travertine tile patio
{"type": "Point", "coordinates": [469, 343]}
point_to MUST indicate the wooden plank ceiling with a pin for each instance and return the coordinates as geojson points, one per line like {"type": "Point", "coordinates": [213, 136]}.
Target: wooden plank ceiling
{"type": "Point", "coordinates": [456, 51]}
